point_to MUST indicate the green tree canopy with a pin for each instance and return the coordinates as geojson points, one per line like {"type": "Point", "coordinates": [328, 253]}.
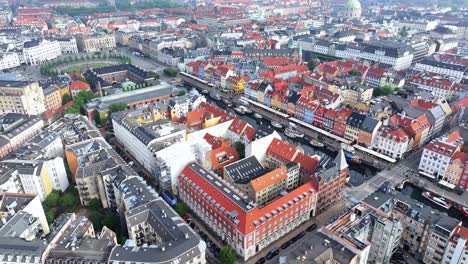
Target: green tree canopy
{"type": "Point", "coordinates": [96, 218]}
{"type": "Point", "coordinates": [69, 200]}
{"type": "Point", "coordinates": [353, 72]}
{"type": "Point", "coordinates": [181, 208]}
{"type": "Point", "coordinates": [94, 204]}
{"type": "Point", "coordinates": [50, 216]}
{"type": "Point", "coordinates": [171, 72]}
{"type": "Point", "coordinates": [311, 65]}
{"type": "Point", "coordinates": [66, 98]}
{"type": "Point", "coordinates": [227, 255]}
{"type": "Point", "coordinates": [117, 107]}
{"type": "Point", "coordinates": [52, 200]}
{"type": "Point", "coordinates": [384, 90]}
{"type": "Point", "coordinates": [240, 148]}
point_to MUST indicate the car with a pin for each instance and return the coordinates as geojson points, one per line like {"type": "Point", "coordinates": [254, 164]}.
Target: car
{"type": "Point", "coordinates": [299, 236]}
{"type": "Point", "coordinates": [272, 253]}
{"type": "Point", "coordinates": [312, 227]}
{"type": "Point", "coordinates": [286, 245]}
{"type": "Point", "coordinates": [192, 225]}
{"type": "Point", "coordinates": [261, 260]}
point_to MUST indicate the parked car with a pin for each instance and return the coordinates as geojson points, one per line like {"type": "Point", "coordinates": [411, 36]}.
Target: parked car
{"type": "Point", "coordinates": [286, 245]}
{"type": "Point", "coordinates": [272, 253]}
{"type": "Point", "coordinates": [312, 227]}
{"type": "Point", "coordinates": [260, 261]}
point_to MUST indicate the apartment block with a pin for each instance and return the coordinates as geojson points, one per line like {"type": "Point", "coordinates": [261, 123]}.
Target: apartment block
{"type": "Point", "coordinates": [246, 227]}
{"type": "Point", "coordinates": [39, 51]}
{"type": "Point", "coordinates": [96, 42]}
{"type": "Point", "coordinates": [22, 97]}
{"type": "Point", "coordinates": [17, 129]}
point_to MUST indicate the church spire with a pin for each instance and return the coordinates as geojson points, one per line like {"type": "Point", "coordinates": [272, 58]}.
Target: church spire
{"type": "Point", "coordinates": [340, 161]}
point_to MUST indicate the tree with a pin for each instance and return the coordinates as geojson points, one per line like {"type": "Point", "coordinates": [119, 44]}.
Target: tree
{"type": "Point", "coordinates": [403, 31]}
{"type": "Point", "coordinates": [69, 200]}
{"type": "Point", "coordinates": [171, 72]}
{"type": "Point", "coordinates": [117, 107]}
{"type": "Point", "coordinates": [50, 216]}
{"type": "Point", "coordinates": [94, 204]}
{"type": "Point", "coordinates": [353, 72]}
{"type": "Point", "coordinates": [240, 148]}
{"type": "Point", "coordinates": [311, 65]}
{"type": "Point", "coordinates": [86, 95]}
{"type": "Point", "coordinates": [181, 93]}
{"type": "Point", "coordinates": [52, 200]}
{"type": "Point", "coordinates": [384, 90]}
{"type": "Point", "coordinates": [227, 255]}
{"type": "Point", "coordinates": [110, 220]}
{"type": "Point", "coordinates": [181, 208]}
{"type": "Point", "coordinates": [193, 21]}
{"type": "Point", "coordinates": [95, 218]}
{"type": "Point", "coordinates": [66, 98]}
{"type": "Point", "coordinates": [154, 75]}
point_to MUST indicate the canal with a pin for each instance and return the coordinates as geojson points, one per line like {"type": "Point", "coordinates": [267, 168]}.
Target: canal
{"type": "Point", "coordinates": [416, 193]}
{"type": "Point", "coordinates": [359, 173]}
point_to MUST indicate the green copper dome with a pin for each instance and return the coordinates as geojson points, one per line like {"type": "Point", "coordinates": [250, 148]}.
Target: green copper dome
{"type": "Point", "coordinates": [352, 4]}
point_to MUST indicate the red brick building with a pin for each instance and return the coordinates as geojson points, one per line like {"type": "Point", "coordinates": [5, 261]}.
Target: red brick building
{"type": "Point", "coordinates": [244, 226]}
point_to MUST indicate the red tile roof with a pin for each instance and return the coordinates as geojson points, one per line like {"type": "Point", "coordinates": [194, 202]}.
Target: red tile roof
{"type": "Point", "coordinates": [283, 149]}
{"type": "Point", "coordinates": [246, 218]}
{"type": "Point", "coordinates": [214, 141]}
{"type": "Point", "coordinates": [79, 85]}
{"type": "Point", "coordinates": [269, 179]}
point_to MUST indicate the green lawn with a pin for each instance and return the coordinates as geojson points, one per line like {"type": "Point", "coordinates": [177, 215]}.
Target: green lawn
{"type": "Point", "coordinates": [84, 67]}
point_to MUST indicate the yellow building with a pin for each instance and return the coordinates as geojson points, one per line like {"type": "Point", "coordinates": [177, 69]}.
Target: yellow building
{"type": "Point", "coordinates": [237, 84]}
{"type": "Point", "coordinates": [52, 97]}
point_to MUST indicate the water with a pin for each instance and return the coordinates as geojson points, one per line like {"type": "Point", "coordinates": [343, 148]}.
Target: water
{"type": "Point", "coordinates": [416, 193]}
{"type": "Point", "coordinates": [358, 173]}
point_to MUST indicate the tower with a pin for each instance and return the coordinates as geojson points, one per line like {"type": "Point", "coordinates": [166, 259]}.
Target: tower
{"type": "Point", "coordinates": [351, 10]}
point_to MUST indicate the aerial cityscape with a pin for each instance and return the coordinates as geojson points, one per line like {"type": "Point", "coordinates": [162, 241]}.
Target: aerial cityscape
{"type": "Point", "coordinates": [233, 131]}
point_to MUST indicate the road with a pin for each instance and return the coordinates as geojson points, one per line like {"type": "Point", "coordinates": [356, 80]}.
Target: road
{"type": "Point", "coordinates": [396, 175]}
{"type": "Point", "coordinates": [297, 248]}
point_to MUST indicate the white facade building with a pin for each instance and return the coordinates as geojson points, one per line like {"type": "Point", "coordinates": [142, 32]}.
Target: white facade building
{"type": "Point", "coordinates": [68, 45]}
{"type": "Point", "coordinates": [9, 60]}
{"type": "Point", "coordinates": [459, 72]}
{"type": "Point", "coordinates": [39, 51]}
{"type": "Point", "coordinates": [393, 143]}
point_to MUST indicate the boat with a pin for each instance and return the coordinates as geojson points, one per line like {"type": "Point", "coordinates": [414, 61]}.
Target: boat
{"type": "Point", "coordinates": [316, 143]}
{"type": "Point", "coordinates": [299, 134]}
{"type": "Point", "coordinates": [293, 133]}
{"type": "Point", "coordinates": [246, 109]}
{"type": "Point", "coordinates": [464, 211]}
{"type": "Point", "coordinates": [276, 124]}
{"type": "Point", "coordinates": [226, 101]}
{"type": "Point", "coordinates": [243, 101]}
{"type": "Point", "coordinates": [239, 110]}
{"type": "Point", "coordinates": [204, 91]}
{"type": "Point", "coordinates": [258, 116]}
{"type": "Point", "coordinates": [439, 200]}
{"type": "Point", "coordinates": [289, 132]}
{"type": "Point", "coordinates": [215, 96]}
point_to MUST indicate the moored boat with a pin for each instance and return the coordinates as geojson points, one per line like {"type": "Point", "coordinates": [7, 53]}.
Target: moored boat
{"type": "Point", "coordinates": [276, 124]}
{"type": "Point", "coordinates": [289, 132]}
{"type": "Point", "coordinates": [316, 143]}
{"type": "Point", "coordinates": [439, 200]}
{"type": "Point", "coordinates": [215, 96]}
{"type": "Point", "coordinates": [258, 116]}
{"type": "Point", "coordinates": [246, 109]}
{"type": "Point", "coordinates": [239, 110]}
{"type": "Point", "coordinates": [226, 101]}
